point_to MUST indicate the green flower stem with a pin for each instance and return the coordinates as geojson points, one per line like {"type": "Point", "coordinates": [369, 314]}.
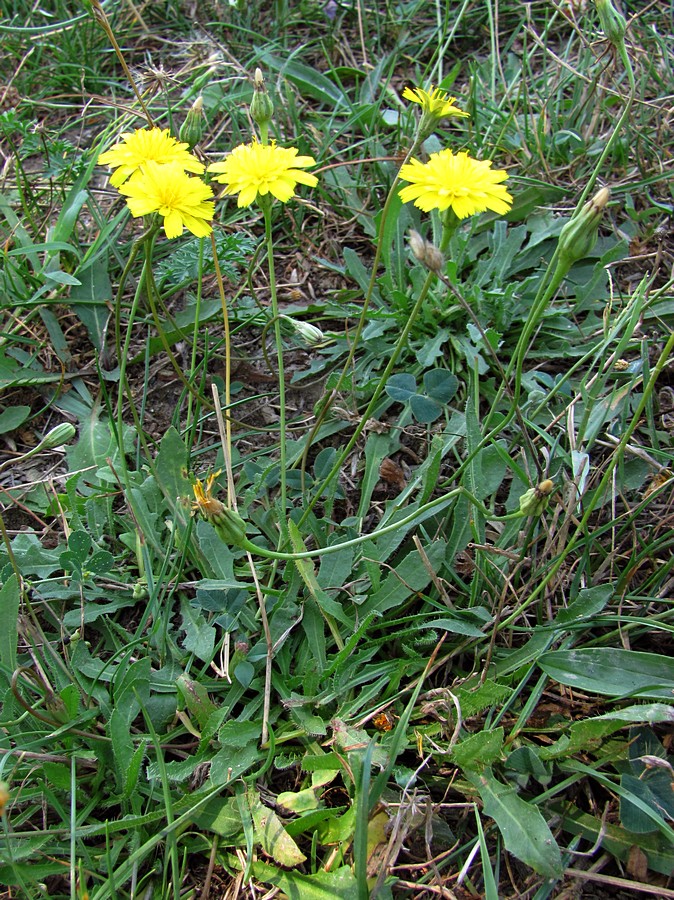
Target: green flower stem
{"type": "Point", "coordinates": [149, 239]}
{"type": "Point", "coordinates": [195, 333]}
{"type": "Point", "coordinates": [449, 226]}
{"type": "Point", "coordinates": [265, 203]}
{"type": "Point", "coordinates": [231, 493]}
{"type": "Point", "coordinates": [356, 335]}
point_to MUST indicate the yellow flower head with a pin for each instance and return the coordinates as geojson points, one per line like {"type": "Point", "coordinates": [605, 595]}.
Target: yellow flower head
{"type": "Point", "coordinates": [434, 102]}
{"type": "Point", "coordinates": [259, 169]}
{"type": "Point", "coordinates": [467, 185]}
{"type": "Point", "coordinates": [182, 201]}
{"type": "Point", "coordinates": [145, 144]}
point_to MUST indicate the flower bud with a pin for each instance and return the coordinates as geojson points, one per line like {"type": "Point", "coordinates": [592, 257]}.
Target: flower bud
{"type": "Point", "coordinates": [58, 435]}
{"type": "Point", "coordinates": [261, 106]}
{"type": "Point", "coordinates": [309, 335]}
{"type": "Point", "coordinates": [534, 501]}
{"type": "Point", "coordinates": [192, 129]}
{"type": "Point", "coordinates": [4, 796]}
{"type": "Point", "coordinates": [613, 22]}
{"type": "Point", "coordinates": [578, 237]}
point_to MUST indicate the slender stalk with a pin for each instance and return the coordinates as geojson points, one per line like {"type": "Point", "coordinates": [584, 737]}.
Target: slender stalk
{"type": "Point", "coordinates": [266, 209]}
{"type": "Point", "coordinates": [227, 449]}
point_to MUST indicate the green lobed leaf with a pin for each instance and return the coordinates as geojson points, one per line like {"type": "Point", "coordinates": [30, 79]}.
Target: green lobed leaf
{"type": "Point", "coordinates": [525, 832]}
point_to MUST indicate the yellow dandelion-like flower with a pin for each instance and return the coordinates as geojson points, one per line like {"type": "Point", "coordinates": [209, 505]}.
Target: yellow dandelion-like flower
{"type": "Point", "coordinates": [182, 201]}
{"type": "Point", "coordinates": [434, 102]}
{"type": "Point", "coordinates": [467, 185]}
{"type": "Point", "coordinates": [143, 145]}
{"type": "Point", "coordinates": [259, 169]}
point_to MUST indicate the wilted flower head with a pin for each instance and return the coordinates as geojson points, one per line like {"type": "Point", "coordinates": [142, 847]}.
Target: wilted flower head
{"type": "Point", "coordinates": [253, 170]}
{"type": "Point", "coordinates": [457, 181]}
{"type": "Point", "coordinates": [144, 145]}
{"type": "Point", "coordinates": [229, 525]}
{"type": "Point", "coordinates": [182, 201]}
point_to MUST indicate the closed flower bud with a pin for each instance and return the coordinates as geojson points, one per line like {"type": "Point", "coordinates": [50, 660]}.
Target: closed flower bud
{"type": "Point", "coordinates": [58, 435]}
{"type": "Point", "coordinates": [261, 106]}
{"type": "Point", "coordinates": [309, 335]}
{"type": "Point", "coordinates": [579, 235]}
{"type": "Point", "coordinates": [613, 22]}
{"type": "Point", "coordinates": [192, 129]}
{"type": "Point", "coordinates": [4, 796]}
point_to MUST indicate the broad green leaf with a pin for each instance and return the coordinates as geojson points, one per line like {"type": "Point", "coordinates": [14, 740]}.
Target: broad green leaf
{"type": "Point", "coordinates": [32, 558]}
{"type": "Point", "coordinates": [220, 816]}
{"type": "Point", "coordinates": [411, 575]}
{"type": "Point", "coordinates": [631, 816]}
{"type": "Point", "coordinates": [525, 832]}
{"type": "Point", "coordinates": [80, 544]}
{"type": "Point", "coordinates": [199, 634]}
{"type": "Point", "coordinates": [89, 300]}
{"type": "Point", "coordinates": [270, 833]}
{"type": "Point", "coordinates": [196, 698]}
{"type": "Point", "coordinates": [479, 750]}
{"type": "Point", "coordinates": [611, 671]}
{"type": "Point", "coordinates": [308, 80]}
{"type": "Point", "coordinates": [425, 409]}
{"type": "Point", "coordinates": [173, 476]}
{"type": "Point", "coordinates": [401, 387]}
{"type": "Point", "coordinates": [440, 384]}
{"type": "Point", "coordinates": [102, 561]}
{"type": "Point", "coordinates": [12, 417]}
{"type": "Point", "coordinates": [586, 734]}
{"type": "Point", "coordinates": [338, 884]}
{"type": "Point", "coordinates": [94, 445]}
{"type": "Point", "coordinates": [617, 841]}
{"type": "Point", "coordinates": [455, 626]}
{"type": "Point", "coordinates": [589, 602]}
{"type": "Point", "coordinates": [298, 801]}
{"type": "Point", "coordinates": [10, 599]}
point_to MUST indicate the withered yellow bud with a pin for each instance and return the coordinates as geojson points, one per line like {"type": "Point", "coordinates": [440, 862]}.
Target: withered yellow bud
{"type": "Point", "coordinates": [426, 252]}
{"type": "Point", "coordinates": [534, 501]}
{"type": "Point", "coordinates": [229, 525]}
{"type": "Point", "coordinates": [578, 237]}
